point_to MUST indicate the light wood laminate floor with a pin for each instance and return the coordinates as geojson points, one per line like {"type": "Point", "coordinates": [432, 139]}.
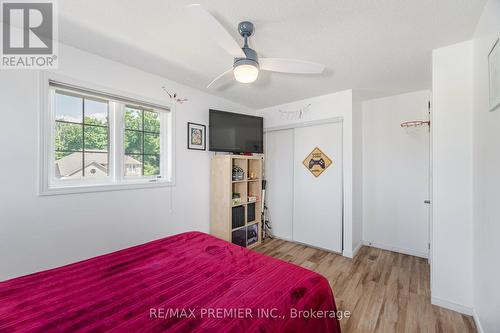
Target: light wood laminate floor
{"type": "Point", "coordinates": [384, 291]}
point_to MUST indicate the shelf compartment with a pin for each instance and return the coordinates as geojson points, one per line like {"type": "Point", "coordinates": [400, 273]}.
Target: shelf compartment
{"type": "Point", "coordinates": [254, 190]}
{"type": "Point", "coordinates": [254, 168]}
{"type": "Point", "coordinates": [238, 217]}
{"type": "Point", "coordinates": [239, 189]}
{"type": "Point", "coordinates": [246, 236]}
{"type": "Point", "coordinates": [251, 212]}
{"type": "Point", "coordinates": [252, 234]}
{"type": "Point", "coordinates": [239, 237]}
{"type": "Point", "coordinates": [240, 163]}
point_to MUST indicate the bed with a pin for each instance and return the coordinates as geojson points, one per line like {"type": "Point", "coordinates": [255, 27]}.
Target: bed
{"type": "Point", "coordinates": [191, 282]}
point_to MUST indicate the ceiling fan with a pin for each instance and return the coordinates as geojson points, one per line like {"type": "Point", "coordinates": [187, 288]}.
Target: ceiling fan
{"type": "Point", "coordinates": [247, 64]}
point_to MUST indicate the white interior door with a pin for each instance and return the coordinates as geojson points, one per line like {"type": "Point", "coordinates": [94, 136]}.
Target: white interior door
{"type": "Point", "coordinates": [317, 201]}
{"type": "Point", "coordinates": [279, 176]}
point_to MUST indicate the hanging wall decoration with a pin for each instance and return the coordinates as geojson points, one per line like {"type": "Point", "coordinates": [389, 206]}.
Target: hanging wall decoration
{"type": "Point", "coordinates": [317, 162]}
{"type": "Point", "coordinates": [196, 136]}
{"type": "Point", "coordinates": [174, 97]}
{"type": "Point", "coordinates": [295, 115]}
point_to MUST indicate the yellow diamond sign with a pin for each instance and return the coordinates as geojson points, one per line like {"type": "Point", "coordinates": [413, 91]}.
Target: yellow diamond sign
{"type": "Point", "coordinates": [317, 162]}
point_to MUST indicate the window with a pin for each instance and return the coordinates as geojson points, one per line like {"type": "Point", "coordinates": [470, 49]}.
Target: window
{"type": "Point", "coordinates": [81, 136]}
{"type": "Point", "coordinates": [142, 142]}
{"type": "Point", "coordinates": [99, 141]}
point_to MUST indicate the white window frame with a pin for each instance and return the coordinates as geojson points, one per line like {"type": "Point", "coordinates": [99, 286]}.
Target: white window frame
{"type": "Point", "coordinates": [116, 179]}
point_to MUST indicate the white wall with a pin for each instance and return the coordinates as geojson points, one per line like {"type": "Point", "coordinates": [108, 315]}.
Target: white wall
{"type": "Point", "coordinates": [36, 232]}
{"type": "Point", "coordinates": [338, 104]}
{"type": "Point", "coordinates": [486, 178]}
{"type": "Point", "coordinates": [396, 174]}
{"type": "Point", "coordinates": [357, 176]}
{"type": "Point", "coordinates": [452, 240]}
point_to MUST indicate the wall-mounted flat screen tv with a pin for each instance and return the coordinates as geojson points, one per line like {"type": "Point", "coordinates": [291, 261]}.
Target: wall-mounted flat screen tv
{"type": "Point", "coordinates": [235, 132]}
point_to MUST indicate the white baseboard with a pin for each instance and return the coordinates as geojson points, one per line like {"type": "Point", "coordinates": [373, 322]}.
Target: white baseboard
{"type": "Point", "coordinates": [351, 254]}
{"type": "Point", "coordinates": [348, 254]}
{"type": "Point", "coordinates": [356, 249]}
{"type": "Point", "coordinates": [476, 320]}
{"type": "Point", "coordinates": [397, 249]}
{"type": "Point", "coordinates": [309, 245]}
{"type": "Point", "coordinates": [282, 238]}
{"type": "Point", "coordinates": [452, 306]}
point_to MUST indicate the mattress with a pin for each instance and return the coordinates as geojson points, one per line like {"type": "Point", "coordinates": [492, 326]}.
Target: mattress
{"type": "Point", "coordinates": [191, 282]}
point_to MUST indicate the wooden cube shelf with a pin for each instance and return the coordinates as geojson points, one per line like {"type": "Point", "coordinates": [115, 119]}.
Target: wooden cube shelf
{"type": "Point", "coordinates": [232, 219]}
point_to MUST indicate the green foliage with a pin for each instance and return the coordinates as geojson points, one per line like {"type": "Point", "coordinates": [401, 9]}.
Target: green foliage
{"type": "Point", "coordinates": [69, 137]}
{"type": "Point", "coordinates": [94, 121]}
{"type": "Point", "coordinates": [151, 165]}
{"type": "Point", "coordinates": [151, 143]}
{"type": "Point", "coordinates": [96, 138]}
{"type": "Point", "coordinates": [142, 136]}
{"type": "Point", "coordinates": [133, 142]}
{"type": "Point", "coordinates": [133, 119]}
{"type": "Point", "coordinates": [139, 142]}
{"type": "Point", "coordinates": [151, 122]}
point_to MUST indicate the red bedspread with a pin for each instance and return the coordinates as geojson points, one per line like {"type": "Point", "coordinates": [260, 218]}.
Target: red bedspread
{"type": "Point", "coordinates": [191, 282]}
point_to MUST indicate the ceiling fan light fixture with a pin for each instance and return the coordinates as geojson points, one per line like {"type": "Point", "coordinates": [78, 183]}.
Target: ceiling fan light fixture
{"type": "Point", "coordinates": [246, 73]}
{"type": "Point", "coordinates": [246, 62]}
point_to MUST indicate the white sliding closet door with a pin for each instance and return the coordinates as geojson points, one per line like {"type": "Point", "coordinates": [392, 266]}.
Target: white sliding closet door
{"type": "Point", "coordinates": [317, 203]}
{"type": "Point", "coordinates": [279, 176]}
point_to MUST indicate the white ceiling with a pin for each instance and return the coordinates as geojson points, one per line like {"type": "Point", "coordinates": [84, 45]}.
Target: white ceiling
{"type": "Point", "coordinates": [378, 47]}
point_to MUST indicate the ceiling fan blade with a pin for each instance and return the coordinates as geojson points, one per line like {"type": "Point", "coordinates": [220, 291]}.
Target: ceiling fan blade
{"type": "Point", "coordinates": [211, 27]}
{"type": "Point", "coordinates": [221, 76]}
{"type": "Point", "coordinates": [283, 65]}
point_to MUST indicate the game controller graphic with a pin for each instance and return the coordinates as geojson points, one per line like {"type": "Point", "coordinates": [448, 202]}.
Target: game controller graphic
{"type": "Point", "coordinates": [320, 162]}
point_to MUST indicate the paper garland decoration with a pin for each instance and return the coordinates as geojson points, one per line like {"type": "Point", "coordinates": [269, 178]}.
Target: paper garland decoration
{"type": "Point", "coordinates": [295, 115]}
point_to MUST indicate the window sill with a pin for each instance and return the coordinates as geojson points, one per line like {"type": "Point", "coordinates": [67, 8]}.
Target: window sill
{"type": "Point", "coordinates": [59, 190]}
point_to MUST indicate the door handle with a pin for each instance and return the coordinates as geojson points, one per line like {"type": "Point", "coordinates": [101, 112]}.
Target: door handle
{"type": "Point", "coordinates": [427, 202]}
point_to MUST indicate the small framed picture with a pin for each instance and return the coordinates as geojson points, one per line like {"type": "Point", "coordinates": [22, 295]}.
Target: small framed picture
{"type": "Point", "coordinates": [494, 75]}
{"type": "Point", "coordinates": [196, 136]}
